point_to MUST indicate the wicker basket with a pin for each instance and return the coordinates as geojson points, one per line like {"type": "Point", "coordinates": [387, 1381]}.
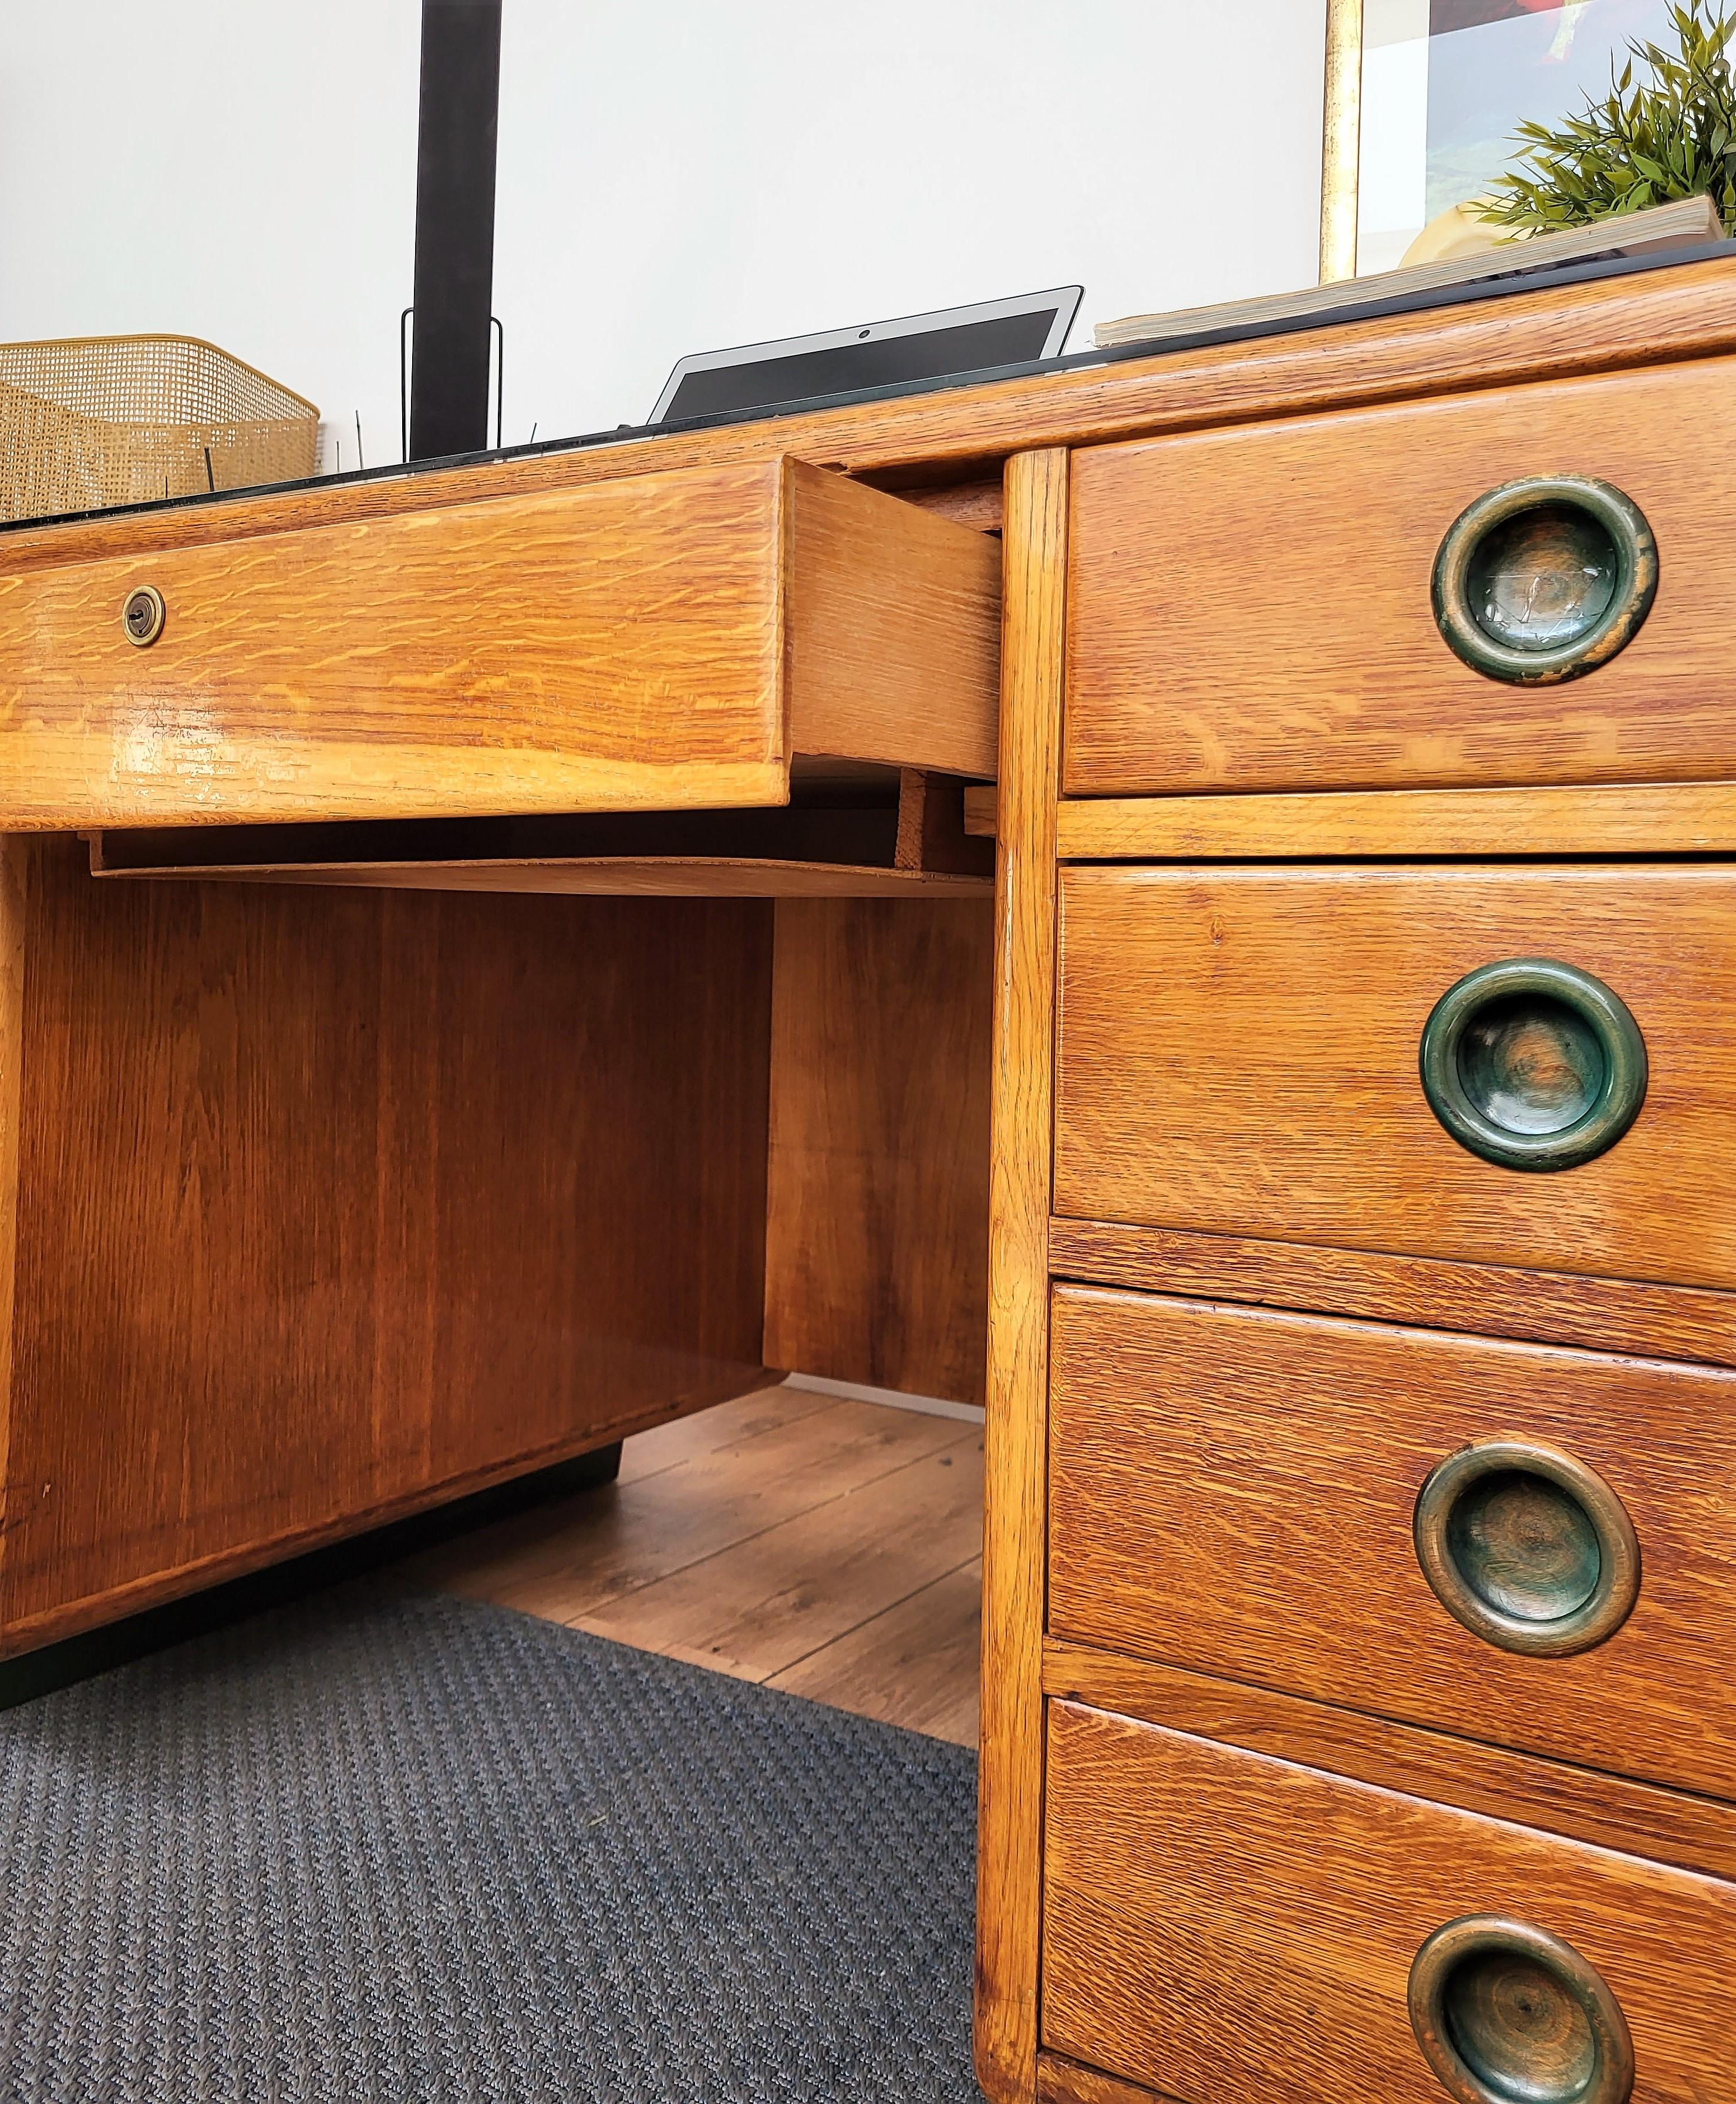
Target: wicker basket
{"type": "Point", "coordinates": [94, 421]}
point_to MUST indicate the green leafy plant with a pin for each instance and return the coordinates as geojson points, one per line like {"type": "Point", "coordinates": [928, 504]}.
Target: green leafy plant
{"type": "Point", "coordinates": [1672, 135]}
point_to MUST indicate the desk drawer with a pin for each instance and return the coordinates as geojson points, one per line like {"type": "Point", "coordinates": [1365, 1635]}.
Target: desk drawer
{"type": "Point", "coordinates": [1239, 1053]}
{"type": "Point", "coordinates": [1230, 1929]}
{"type": "Point", "coordinates": [661, 641]}
{"type": "Point", "coordinates": [1251, 608]}
{"type": "Point", "coordinates": [1238, 1492]}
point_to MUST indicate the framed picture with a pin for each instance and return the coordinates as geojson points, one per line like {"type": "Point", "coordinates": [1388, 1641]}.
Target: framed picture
{"type": "Point", "coordinates": [1423, 97]}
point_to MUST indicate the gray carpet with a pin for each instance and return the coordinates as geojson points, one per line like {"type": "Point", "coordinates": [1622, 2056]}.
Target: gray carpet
{"type": "Point", "coordinates": [375, 1847]}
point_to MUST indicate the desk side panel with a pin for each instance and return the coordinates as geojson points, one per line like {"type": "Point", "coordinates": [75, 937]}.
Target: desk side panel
{"type": "Point", "coordinates": [334, 1203]}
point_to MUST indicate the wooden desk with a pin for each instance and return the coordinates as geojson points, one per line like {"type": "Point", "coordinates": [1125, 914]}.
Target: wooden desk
{"type": "Point", "coordinates": [531, 967]}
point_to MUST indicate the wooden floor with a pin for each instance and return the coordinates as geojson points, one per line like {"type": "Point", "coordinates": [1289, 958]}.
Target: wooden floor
{"type": "Point", "coordinates": [831, 1548]}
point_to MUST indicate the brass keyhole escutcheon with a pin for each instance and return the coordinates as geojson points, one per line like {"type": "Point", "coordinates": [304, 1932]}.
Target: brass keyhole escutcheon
{"type": "Point", "coordinates": [1545, 579]}
{"type": "Point", "coordinates": [1533, 1064]}
{"type": "Point", "coordinates": [143, 615]}
{"type": "Point", "coordinates": [1507, 2013]}
{"type": "Point", "coordinates": [1527, 1548]}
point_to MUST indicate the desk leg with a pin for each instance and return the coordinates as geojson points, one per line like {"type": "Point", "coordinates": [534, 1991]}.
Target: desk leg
{"type": "Point", "coordinates": [1010, 1829]}
{"type": "Point", "coordinates": [334, 1204]}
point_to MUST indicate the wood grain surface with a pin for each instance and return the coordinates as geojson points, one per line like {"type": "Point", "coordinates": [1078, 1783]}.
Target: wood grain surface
{"type": "Point", "coordinates": [916, 1664]}
{"type": "Point", "coordinates": [756, 1466]}
{"type": "Point", "coordinates": [648, 877]}
{"type": "Point", "coordinates": [1296, 1447]}
{"type": "Point", "coordinates": [664, 643]}
{"type": "Point", "coordinates": [893, 629]}
{"type": "Point", "coordinates": [1238, 1053]}
{"type": "Point", "coordinates": [1010, 1822]}
{"type": "Point", "coordinates": [860, 842]}
{"type": "Point", "coordinates": [739, 1611]}
{"type": "Point", "coordinates": [331, 1203]}
{"type": "Point", "coordinates": [1307, 656]}
{"type": "Point", "coordinates": [1682, 1827]}
{"type": "Point", "coordinates": [932, 832]}
{"type": "Point", "coordinates": [876, 1255]}
{"type": "Point", "coordinates": [1542, 1307]}
{"type": "Point", "coordinates": [617, 647]}
{"type": "Point", "coordinates": [977, 503]}
{"type": "Point", "coordinates": [741, 1494]}
{"type": "Point", "coordinates": [1227, 1927]}
{"type": "Point", "coordinates": [1063, 2081]}
{"type": "Point", "coordinates": [1654, 818]}
{"type": "Point", "coordinates": [958, 435]}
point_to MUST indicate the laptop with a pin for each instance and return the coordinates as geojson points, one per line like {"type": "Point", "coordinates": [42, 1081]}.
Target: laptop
{"type": "Point", "coordinates": [870, 355]}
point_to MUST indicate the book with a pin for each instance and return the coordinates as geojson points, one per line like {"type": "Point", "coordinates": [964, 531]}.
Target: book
{"type": "Point", "coordinates": [1686, 221]}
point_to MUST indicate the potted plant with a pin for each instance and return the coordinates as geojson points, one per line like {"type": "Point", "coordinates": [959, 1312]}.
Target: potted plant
{"type": "Point", "coordinates": [1670, 133]}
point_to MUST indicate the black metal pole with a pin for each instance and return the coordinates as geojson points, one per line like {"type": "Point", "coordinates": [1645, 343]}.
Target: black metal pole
{"type": "Point", "coordinates": [455, 153]}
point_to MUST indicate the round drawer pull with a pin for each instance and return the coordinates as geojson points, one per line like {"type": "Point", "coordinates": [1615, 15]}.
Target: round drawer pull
{"type": "Point", "coordinates": [143, 615]}
{"type": "Point", "coordinates": [1533, 1064]}
{"type": "Point", "coordinates": [1507, 2013]}
{"type": "Point", "coordinates": [1544, 579]}
{"type": "Point", "coordinates": [1527, 1548]}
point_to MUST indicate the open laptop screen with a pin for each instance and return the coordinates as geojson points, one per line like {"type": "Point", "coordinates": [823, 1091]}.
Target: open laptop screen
{"type": "Point", "coordinates": [887, 355]}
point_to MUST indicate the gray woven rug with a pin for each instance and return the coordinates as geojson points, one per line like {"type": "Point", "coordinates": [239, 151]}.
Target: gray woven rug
{"type": "Point", "coordinates": [415, 1848]}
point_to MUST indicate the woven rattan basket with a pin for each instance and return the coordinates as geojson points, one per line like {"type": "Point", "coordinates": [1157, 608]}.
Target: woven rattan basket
{"type": "Point", "coordinates": [92, 421]}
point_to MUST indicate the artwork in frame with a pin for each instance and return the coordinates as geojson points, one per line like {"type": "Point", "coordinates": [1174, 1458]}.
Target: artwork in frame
{"type": "Point", "coordinates": [1438, 87]}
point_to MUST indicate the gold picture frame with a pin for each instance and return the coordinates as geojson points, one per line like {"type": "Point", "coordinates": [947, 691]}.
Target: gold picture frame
{"type": "Point", "coordinates": [1342, 139]}
{"type": "Point", "coordinates": [1488, 68]}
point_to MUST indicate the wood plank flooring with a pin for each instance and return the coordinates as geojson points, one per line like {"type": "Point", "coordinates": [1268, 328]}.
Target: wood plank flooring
{"type": "Point", "coordinates": [830, 1548]}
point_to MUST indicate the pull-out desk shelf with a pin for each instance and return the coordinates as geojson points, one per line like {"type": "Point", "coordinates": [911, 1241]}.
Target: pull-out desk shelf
{"type": "Point", "coordinates": [849, 831]}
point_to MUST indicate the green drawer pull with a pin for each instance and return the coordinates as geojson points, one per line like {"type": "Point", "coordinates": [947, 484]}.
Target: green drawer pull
{"type": "Point", "coordinates": [1527, 1548]}
{"type": "Point", "coordinates": [1544, 579]}
{"type": "Point", "coordinates": [1507, 2013]}
{"type": "Point", "coordinates": [1533, 1064]}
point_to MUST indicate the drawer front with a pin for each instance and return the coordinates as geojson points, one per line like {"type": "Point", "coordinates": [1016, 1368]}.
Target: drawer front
{"type": "Point", "coordinates": [1239, 1053]}
{"type": "Point", "coordinates": [1298, 1448]}
{"type": "Point", "coordinates": [1230, 1929]}
{"type": "Point", "coordinates": [1253, 609]}
{"type": "Point", "coordinates": [661, 641]}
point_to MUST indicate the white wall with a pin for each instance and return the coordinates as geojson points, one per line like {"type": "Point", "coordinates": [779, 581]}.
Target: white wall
{"type": "Point", "coordinates": [687, 176]}
{"type": "Point", "coordinates": [672, 177]}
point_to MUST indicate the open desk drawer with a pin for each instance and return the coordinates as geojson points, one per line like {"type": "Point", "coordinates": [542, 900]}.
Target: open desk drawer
{"type": "Point", "coordinates": [663, 641]}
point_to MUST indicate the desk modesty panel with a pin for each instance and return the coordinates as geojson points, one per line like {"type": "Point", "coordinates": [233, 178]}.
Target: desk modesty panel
{"type": "Point", "coordinates": [667, 641]}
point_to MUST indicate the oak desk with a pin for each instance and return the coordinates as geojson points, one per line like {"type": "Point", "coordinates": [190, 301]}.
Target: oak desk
{"type": "Point", "coordinates": [498, 956]}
